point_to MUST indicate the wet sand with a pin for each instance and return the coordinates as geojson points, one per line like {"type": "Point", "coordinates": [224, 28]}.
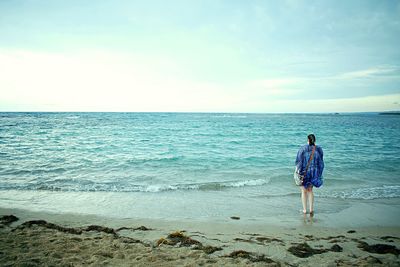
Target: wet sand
{"type": "Point", "coordinates": [38, 239]}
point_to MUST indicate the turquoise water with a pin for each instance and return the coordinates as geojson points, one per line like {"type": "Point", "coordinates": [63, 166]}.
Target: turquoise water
{"type": "Point", "coordinates": [191, 165]}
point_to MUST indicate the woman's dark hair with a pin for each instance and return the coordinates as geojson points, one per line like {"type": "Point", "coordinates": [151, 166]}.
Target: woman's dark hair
{"type": "Point", "coordinates": [311, 139]}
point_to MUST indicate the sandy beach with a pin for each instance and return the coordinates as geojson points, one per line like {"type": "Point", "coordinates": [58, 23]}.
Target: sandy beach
{"type": "Point", "coordinates": [44, 239]}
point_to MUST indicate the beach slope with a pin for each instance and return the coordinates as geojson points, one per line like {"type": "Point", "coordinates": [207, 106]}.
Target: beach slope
{"type": "Point", "coordinates": [36, 239]}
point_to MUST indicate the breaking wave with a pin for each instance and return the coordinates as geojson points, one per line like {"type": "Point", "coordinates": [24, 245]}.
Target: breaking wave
{"type": "Point", "coordinates": [90, 186]}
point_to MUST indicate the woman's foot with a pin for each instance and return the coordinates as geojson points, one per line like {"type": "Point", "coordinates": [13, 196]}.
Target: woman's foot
{"type": "Point", "coordinates": [303, 211]}
{"type": "Point", "coordinates": [311, 213]}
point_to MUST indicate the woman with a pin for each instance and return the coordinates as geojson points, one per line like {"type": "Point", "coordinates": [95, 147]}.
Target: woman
{"type": "Point", "coordinates": [310, 163]}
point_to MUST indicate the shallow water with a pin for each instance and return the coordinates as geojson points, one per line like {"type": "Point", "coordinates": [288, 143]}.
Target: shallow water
{"type": "Point", "coordinates": [192, 165]}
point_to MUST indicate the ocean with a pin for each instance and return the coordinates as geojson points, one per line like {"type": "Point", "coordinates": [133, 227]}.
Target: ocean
{"type": "Point", "coordinates": [194, 166]}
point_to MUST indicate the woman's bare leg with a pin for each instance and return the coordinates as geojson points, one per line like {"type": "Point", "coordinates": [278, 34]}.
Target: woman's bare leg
{"type": "Point", "coordinates": [304, 198]}
{"type": "Point", "coordinates": [310, 194]}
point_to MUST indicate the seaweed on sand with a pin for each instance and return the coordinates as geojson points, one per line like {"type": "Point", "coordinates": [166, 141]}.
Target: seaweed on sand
{"type": "Point", "coordinates": [43, 223]}
{"type": "Point", "coordinates": [378, 248]}
{"type": "Point", "coordinates": [251, 256]}
{"type": "Point", "coordinates": [8, 219]}
{"type": "Point", "coordinates": [180, 239]}
{"type": "Point", "coordinates": [140, 228]}
{"type": "Point", "coordinates": [70, 230]}
{"type": "Point", "coordinates": [210, 249]}
{"type": "Point", "coordinates": [303, 250]}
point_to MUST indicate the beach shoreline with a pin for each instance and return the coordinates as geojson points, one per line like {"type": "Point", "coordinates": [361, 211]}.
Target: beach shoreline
{"type": "Point", "coordinates": [45, 239]}
{"type": "Point", "coordinates": [214, 207]}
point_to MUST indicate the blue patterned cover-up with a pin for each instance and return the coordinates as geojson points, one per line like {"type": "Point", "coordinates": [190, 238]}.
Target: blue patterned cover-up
{"type": "Point", "coordinates": [314, 172]}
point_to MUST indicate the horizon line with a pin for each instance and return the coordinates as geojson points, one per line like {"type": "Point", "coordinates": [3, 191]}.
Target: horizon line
{"type": "Point", "coordinates": [207, 112]}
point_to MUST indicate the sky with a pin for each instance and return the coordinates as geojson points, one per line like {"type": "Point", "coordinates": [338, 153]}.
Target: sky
{"type": "Point", "coordinates": [200, 56]}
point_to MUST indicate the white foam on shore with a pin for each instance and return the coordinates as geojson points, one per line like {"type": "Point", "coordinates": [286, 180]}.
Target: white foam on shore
{"type": "Point", "coordinates": [368, 193]}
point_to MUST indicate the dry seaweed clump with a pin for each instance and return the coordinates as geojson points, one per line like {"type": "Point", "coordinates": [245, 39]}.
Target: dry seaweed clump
{"type": "Point", "coordinates": [53, 226]}
{"type": "Point", "coordinates": [379, 248]}
{"type": "Point", "coordinates": [100, 228]}
{"type": "Point", "coordinates": [164, 241]}
{"type": "Point", "coordinates": [240, 254]}
{"type": "Point", "coordinates": [76, 231]}
{"type": "Point", "coordinates": [304, 250]}
{"type": "Point", "coordinates": [210, 249]}
{"type": "Point", "coordinates": [366, 261]}
{"type": "Point", "coordinates": [140, 228]}
{"type": "Point", "coordinates": [336, 248]}
{"type": "Point", "coordinates": [181, 240]}
{"type": "Point", "coordinates": [177, 234]}
{"type": "Point", "coordinates": [178, 238]}
{"type": "Point", "coordinates": [8, 219]}
{"type": "Point", "coordinates": [251, 256]}
{"type": "Point", "coordinates": [143, 228]}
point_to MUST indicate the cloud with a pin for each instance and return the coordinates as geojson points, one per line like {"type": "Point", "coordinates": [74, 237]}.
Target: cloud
{"type": "Point", "coordinates": [358, 104]}
{"type": "Point", "coordinates": [101, 81]}
{"type": "Point", "coordinates": [104, 81]}
{"type": "Point", "coordinates": [295, 85]}
{"type": "Point", "coordinates": [369, 73]}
